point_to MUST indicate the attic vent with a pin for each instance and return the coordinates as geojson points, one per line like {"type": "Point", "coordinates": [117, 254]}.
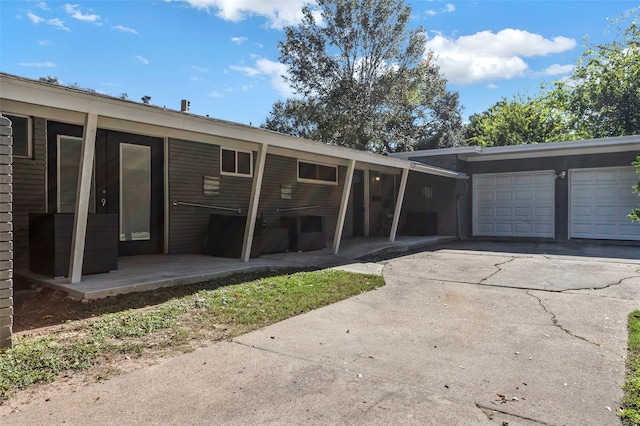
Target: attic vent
{"type": "Point", "coordinates": [146, 99]}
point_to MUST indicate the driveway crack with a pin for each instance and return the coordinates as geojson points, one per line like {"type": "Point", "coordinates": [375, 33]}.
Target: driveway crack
{"type": "Point", "coordinates": [555, 322]}
{"type": "Point", "coordinates": [498, 269]}
{"type": "Point", "coordinates": [485, 408]}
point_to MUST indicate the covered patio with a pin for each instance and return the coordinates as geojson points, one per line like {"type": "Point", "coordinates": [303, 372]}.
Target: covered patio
{"type": "Point", "coordinates": [149, 272]}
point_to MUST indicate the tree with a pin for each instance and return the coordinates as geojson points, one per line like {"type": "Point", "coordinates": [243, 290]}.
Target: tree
{"type": "Point", "coordinates": [520, 121]}
{"type": "Point", "coordinates": [603, 94]}
{"type": "Point", "coordinates": [362, 80]}
{"type": "Point", "coordinates": [601, 98]}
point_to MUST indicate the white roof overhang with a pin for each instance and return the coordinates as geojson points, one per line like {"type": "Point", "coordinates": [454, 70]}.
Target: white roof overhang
{"type": "Point", "coordinates": [21, 95]}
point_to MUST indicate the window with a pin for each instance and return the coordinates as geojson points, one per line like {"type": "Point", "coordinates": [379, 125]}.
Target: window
{"type": "Point", "coordinates": [317, 173]}
{"type": "Point", "coordinates": [69, 152]}
{"type": "Point", "coordinates": [21, 129]}
{"type": "Point", "coordinates": [234, 162]}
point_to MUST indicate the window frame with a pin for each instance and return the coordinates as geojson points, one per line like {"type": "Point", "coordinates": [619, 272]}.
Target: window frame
{"type": "Point", "coordinates": [235, 172]}
{"type": "Point", "coordinates": [29, 132]}
{"type": "Point", "coordinates": [317, 180]}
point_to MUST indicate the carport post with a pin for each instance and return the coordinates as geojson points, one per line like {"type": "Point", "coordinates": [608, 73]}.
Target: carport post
{"type": "Point", "coordinates": [396, 213]}
{"type": "Point", "coordinates": [250, 226]}
{"type": "Point", "coordinates": [346, 190]}
{"type": "Point", "coordinates": [83, 193]}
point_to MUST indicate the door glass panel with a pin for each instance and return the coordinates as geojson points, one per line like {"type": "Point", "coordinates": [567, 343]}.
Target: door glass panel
{"type": "Point", "coordinates": [135, 192]}
{"type": "Point", "coordinates": [69, 153]}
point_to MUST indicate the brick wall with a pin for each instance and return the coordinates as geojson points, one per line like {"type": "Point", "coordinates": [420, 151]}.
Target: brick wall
{"type": "Point", "coordinates": [6, 235]}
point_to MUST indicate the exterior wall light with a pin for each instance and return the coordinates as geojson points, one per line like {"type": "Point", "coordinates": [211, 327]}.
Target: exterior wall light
{"type": "Point", "coordinates": [560, 175]}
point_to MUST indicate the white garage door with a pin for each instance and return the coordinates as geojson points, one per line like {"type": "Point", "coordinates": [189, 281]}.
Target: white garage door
{"type": "Point", "coordinates": [514, 204]}
{"type": "Point", "coordinates": [600, 200]}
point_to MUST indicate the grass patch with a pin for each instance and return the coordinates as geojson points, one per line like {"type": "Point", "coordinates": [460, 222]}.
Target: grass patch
{"type": "Point", "coordinates": [209, 312]}
{"type": "Point", "coordinates": [630, 412]}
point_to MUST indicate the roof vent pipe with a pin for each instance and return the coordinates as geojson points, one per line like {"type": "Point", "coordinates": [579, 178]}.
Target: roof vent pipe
{"type": "Point", "coordinates": [146, 99]}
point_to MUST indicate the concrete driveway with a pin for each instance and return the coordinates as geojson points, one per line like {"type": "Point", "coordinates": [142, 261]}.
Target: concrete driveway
{"type": "Point", "coordinates": [469, 334]}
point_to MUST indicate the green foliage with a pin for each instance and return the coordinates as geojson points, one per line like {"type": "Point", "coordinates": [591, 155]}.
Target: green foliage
{"type": "Point", "coordinates": [601, 98]}
{"type": "Point", "coordinates": [605, 99]}
{"type": "Point", "coordinates": [630, 412]}
{"type": "Point", "coordinates": [635, 213]}
{"type": "Point", "coordinates": [519, 121]}
{"type": "Point", "coordinates": [364, 80]}
{"type": "Point", "coordinates": [238, 308]}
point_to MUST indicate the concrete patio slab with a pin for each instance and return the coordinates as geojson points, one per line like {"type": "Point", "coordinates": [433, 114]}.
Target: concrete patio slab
{"type": "Point", "coordinates": [144, 273]}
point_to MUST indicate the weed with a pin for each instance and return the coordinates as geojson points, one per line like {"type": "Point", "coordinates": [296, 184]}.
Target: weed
{"type": "Point", "coordinates": [630, 412]}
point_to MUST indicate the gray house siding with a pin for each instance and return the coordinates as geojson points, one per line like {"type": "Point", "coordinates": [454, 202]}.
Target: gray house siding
{"type": "Point", "coordinates": [445, 190]}
{"type": "Point", "coordinates": [189, 163]}
{"type": "Point", "coordinates": [559, 164]}
{"type": "Point", "coordinates": [29, 191]}
{"type": "Point", "coordinates": [281, 170]}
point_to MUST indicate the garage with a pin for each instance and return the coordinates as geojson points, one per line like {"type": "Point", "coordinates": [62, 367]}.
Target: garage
{"type": "Point", "coordinates": [600, 200]}
{"type": "Point", "coordinates": [514, 204]}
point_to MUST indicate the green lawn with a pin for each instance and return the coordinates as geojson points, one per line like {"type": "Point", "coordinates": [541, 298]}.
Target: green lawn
{"type": "Point", "coordinates": [631, 403]}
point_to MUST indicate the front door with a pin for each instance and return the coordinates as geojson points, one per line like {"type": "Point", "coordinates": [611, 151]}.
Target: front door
{"type": "Point", "coordinates": [129, 180]}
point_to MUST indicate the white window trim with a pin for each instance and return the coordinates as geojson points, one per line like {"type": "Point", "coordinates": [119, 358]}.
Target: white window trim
{"type": "Point", "coordinates": [29, 134]}
{"type": "Point", "coordinates": [316, 181]}
{"type": "Point", "coordinates": [236, 150]}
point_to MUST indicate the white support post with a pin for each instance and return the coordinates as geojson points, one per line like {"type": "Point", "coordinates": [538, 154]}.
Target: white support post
{"type": "Point", "coordinates": [346, 190]}
{"type": "Point", "coordinates": [83, 193]}
{"type": "Point", "coordinates": [253, 204]}
{"type": "Point", "coordinates": [396, 213]}
{"type": "Point", "coordinates": [367, 201]}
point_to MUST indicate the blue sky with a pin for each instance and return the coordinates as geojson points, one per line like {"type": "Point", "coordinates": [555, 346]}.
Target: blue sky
{"type": "Point", "coordinates": [222, 55]}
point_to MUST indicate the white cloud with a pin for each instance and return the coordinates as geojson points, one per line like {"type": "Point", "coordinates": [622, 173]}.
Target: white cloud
{"type": "Point", "coordinates": [492, 86]}
{"type": "Point", "coordinates": [557, 69]}
{"type": "Point", "coordinates": [125, 29]}
{"type": "Point", "coordinates": [200, 69]}
{"type": "Point", "coordinates": [449, 8]}
{"type": "Point", "coordinates": [38, 64]}
{"type": "Point", "coordinates": [247, 70]}
{"type": "Point", "coordinates": [44, 42]}
{"type": "Point", "coordinates": [34, 18]}
{"type": "Point", "coordinates": [59, 24]}
{"type": "Point", "coordinates": [271, 70]}
{"type": "Point", "coordinates": [74, 11]}
{"type": "Point", "coordinates": [42, 5]}
{"type": "Point", "coordinates": [487, 56]}
{"type": "Point", "coordinates": [215, 94]}
{"type": "Point", "coordinates": [238, 40]}
{"type": "Point", "coordinates": [279, 13]}
{"type": "Point", "coordinates": [142, 59]}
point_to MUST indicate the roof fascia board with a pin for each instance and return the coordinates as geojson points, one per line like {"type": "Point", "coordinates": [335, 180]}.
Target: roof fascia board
{"type": "Point", "coordinates": [591, 149]}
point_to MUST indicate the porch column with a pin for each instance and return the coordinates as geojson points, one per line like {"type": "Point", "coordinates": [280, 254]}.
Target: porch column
{"type": "Point", "coordinates": [367, 201]}
{"type": "Point", "coordinates": [253, 203]}
{"type": "Point", "coordinates": [346, 190]}
{"type": "Point", "coordinates": [396, 213]}
{"type": "Point", "coordinates": [82, 197]}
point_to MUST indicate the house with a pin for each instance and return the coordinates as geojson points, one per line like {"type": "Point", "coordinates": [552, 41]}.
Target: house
{"type": "Point", "coordinates": [95, 178]}
{"type": "Point", "coordinates": [557, 191]}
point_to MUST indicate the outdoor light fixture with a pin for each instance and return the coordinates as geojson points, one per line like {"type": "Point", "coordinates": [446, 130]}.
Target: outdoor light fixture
{"type": "Point", "coordinates": [560, 175]}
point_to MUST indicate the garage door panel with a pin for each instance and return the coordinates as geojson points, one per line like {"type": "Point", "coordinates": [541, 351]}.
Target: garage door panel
{"type": "Point", "coordinates": [516, 204]}
{"type": "Point", "coordinates": [600, 200]}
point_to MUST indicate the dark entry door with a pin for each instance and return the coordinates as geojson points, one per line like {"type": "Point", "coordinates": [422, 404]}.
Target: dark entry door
{"type": "Point", "coordinates": [358, 203]}
{"type": "Point", "coordinates": [129, 180]}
